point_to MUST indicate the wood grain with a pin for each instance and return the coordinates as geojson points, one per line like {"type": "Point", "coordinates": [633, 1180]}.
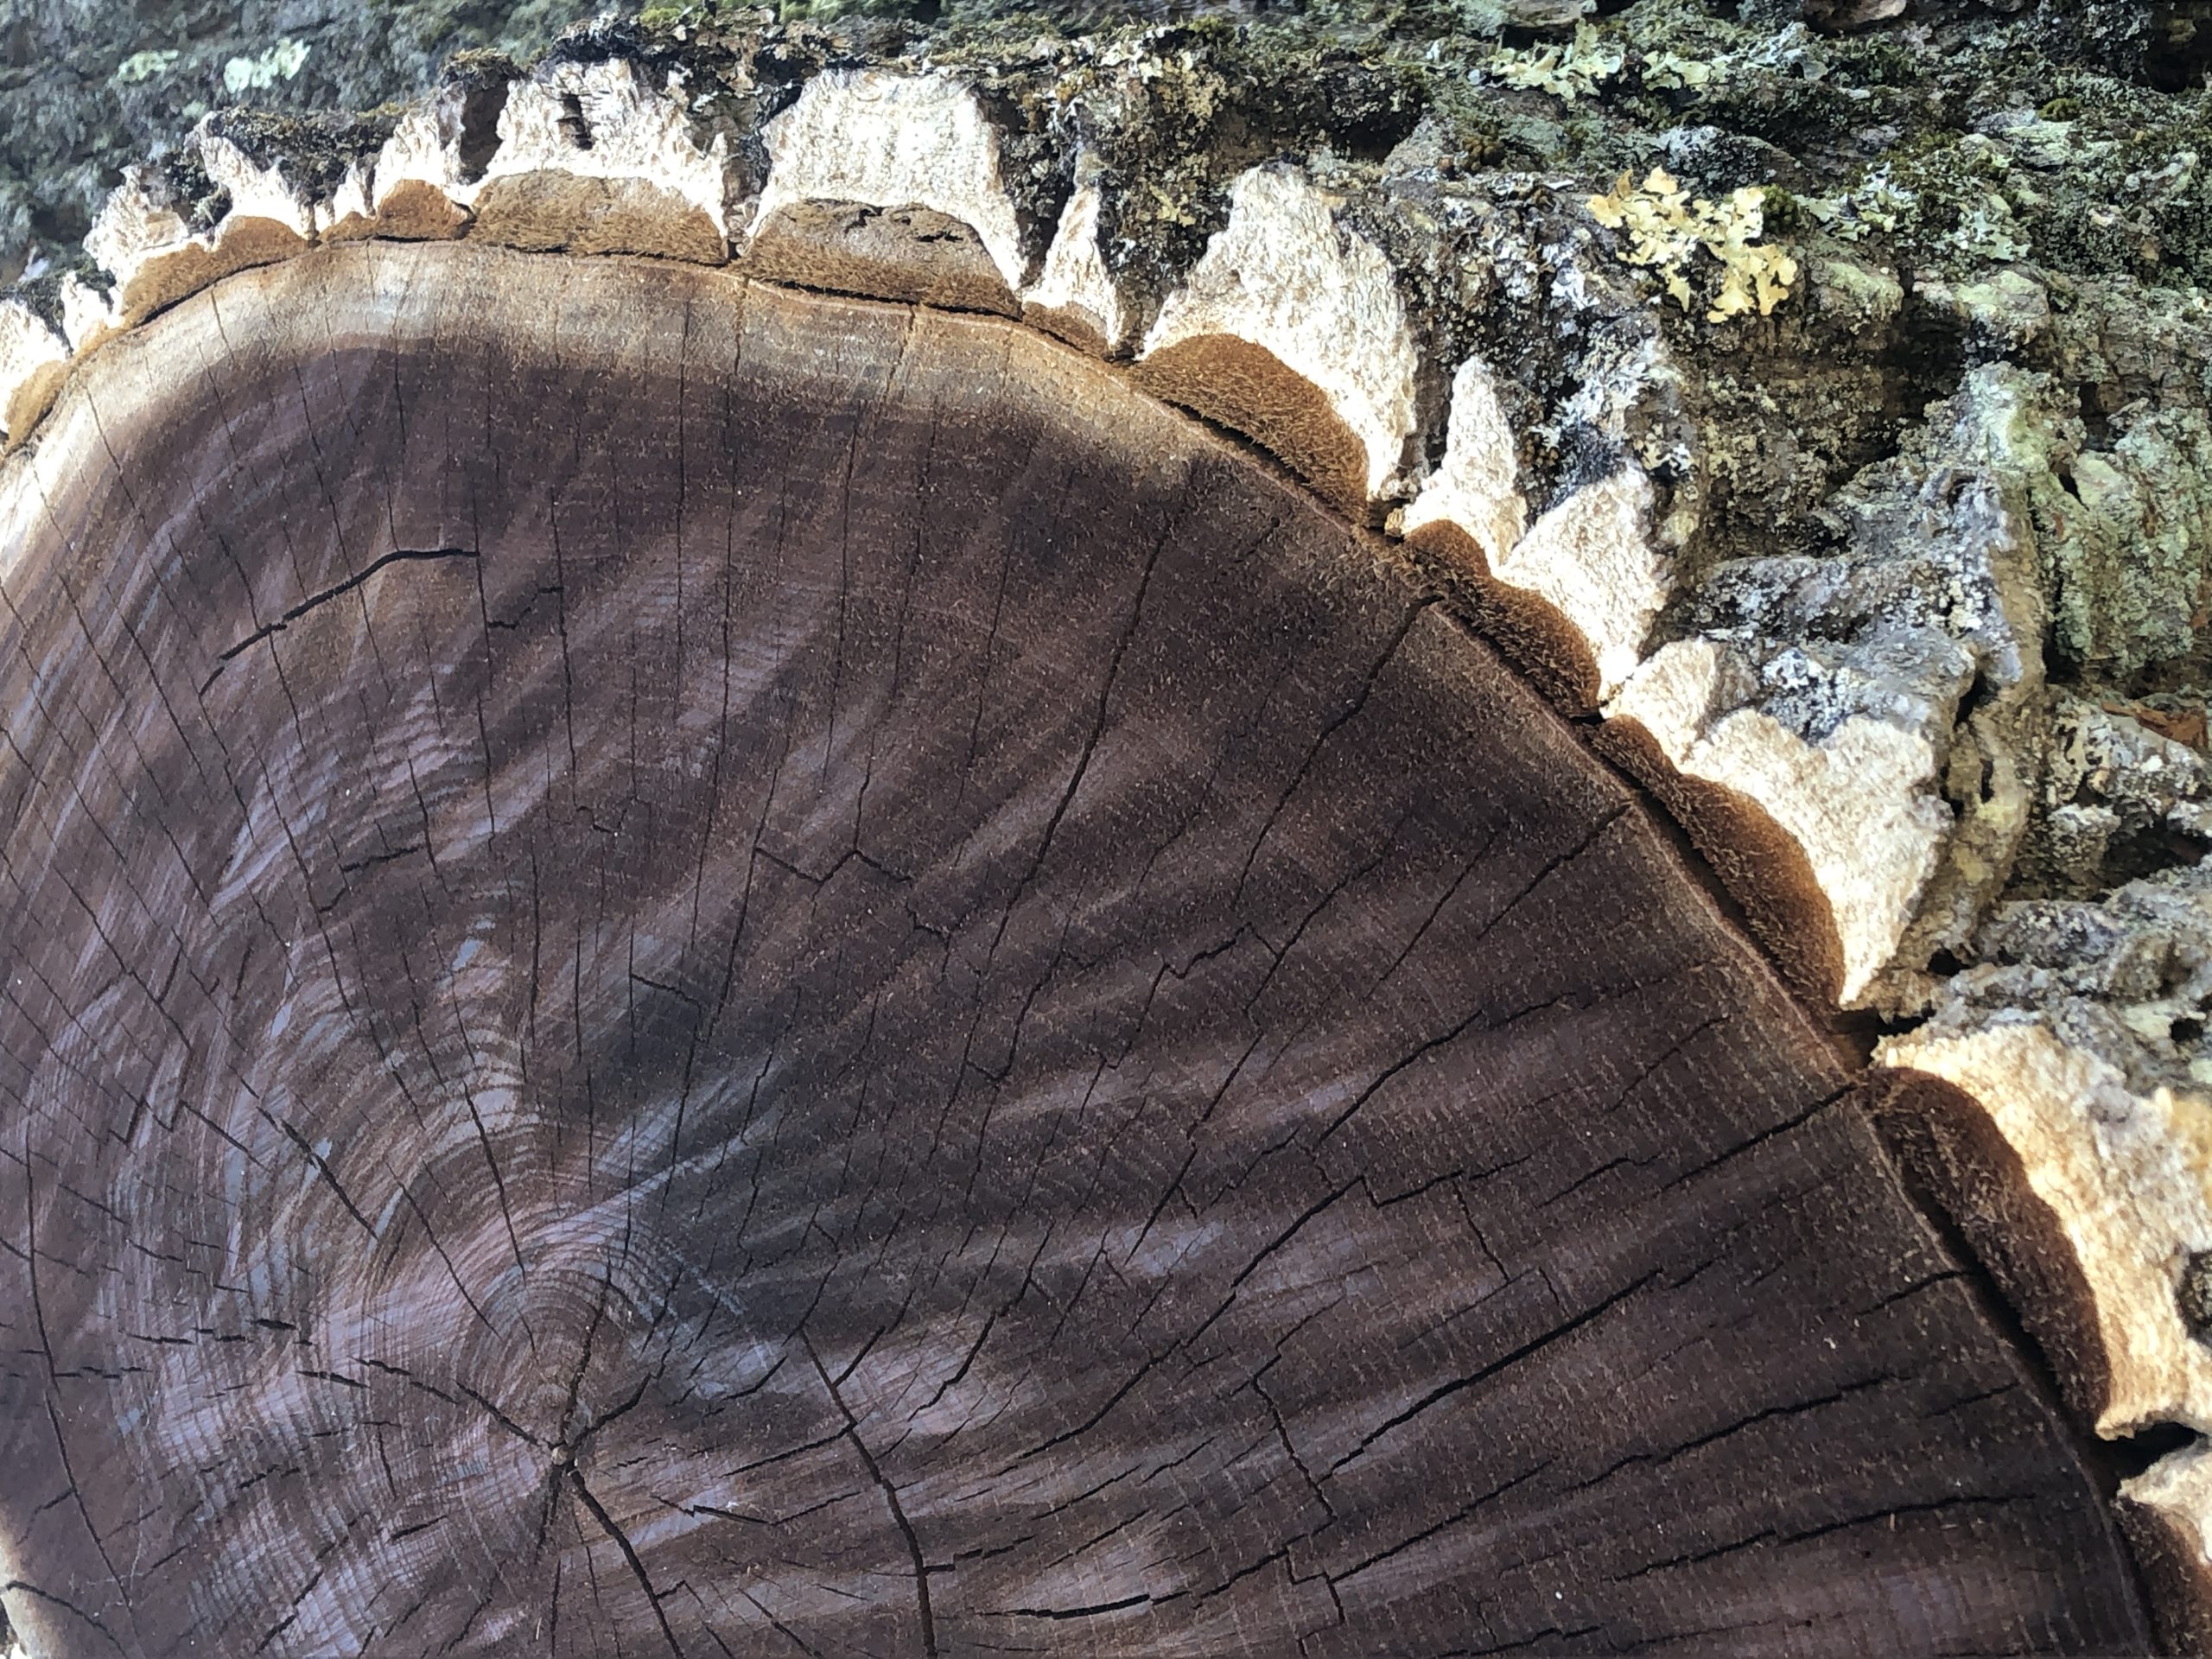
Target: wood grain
{"type": "Point", "coordinates": [695, 969]}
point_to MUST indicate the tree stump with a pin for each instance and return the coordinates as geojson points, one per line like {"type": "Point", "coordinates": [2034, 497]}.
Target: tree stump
{"type": "Point", "coordinates": [694, 968]}
{"type": "Point", "coordinates": [767, 880]}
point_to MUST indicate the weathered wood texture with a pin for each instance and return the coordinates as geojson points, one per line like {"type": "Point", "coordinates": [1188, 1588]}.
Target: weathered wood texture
{"type": "Point", "coordinates": [692, 968]}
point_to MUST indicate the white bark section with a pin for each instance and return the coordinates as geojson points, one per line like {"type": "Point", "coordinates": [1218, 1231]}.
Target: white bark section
{"type": "Point", "coordinates": [417, 153]}
{"type": "Point", "coordinates": [894, 141]}
{"type": "Point", "coordinates": [89, 314]}
{"type": "Point", "coordinates": [2178, 1487]}
{"type": "Point", "coordinates": [257, 192]}
{"type": "Point", "coordinates": [1592, 557]}
{"type": "Point", "coordinates": [2126, 1175]}
{"type": "Point", "coordinates": [604, 121]}
{"type": "Point", "coordinates": [34, 357]}
{"type": "Point", "coordinates": [1476, 486]}
{"type": "Point", "coordinates": [1075, 277]}
{"type": "Point", "coordinates": [1862, 802]}
{"type": "Point", "coordinates": [133, 230]}
{"type": "Point", "coordinates": [157, 257]}
{"type": "Point", "coordinates": [1323, 301]}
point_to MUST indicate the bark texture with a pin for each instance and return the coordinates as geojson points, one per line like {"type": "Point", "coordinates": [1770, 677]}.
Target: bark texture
{"type": "Point", "coordinates": [88, 87]}
{"type": "Point", "coordinates": [697, 969]}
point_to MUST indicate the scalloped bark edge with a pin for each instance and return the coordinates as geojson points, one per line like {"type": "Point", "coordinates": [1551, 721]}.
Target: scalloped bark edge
{"type": "Point", "coordinates": [2085, 1198]}
{"type": "Point", "coordinates": [1295, 328]}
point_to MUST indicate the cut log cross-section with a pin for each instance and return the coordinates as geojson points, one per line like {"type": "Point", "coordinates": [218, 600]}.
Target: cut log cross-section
{"type": "Point", "coordinates": [694, 968]}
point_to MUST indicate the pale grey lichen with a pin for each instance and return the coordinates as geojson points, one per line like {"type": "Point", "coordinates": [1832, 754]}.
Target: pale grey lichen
{"type": "Point", "coordinates": [146, 66]}
{"type": "Point", "coordinates": [2125, 790]}
{"type": "Point", "coordinates": [257, 73]}
{"type": "Point", "coordinates": [2128, 978]}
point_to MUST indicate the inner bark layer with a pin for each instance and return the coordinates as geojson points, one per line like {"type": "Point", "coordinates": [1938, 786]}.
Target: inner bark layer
{"type": "Point", "coordinates": [703, 970]}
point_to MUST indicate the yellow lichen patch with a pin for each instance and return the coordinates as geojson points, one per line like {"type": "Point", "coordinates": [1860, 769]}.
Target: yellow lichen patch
{"type": "Point", "coordinates": [1566, 71]}
{"type": "Point", "coordinates": [1666, 227]}
{"type": "Point", "coordinates": [1669, 70]}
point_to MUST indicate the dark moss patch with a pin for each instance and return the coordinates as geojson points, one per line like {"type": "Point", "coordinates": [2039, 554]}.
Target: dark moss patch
{"type": "Point", "coordinates": [315, 150]}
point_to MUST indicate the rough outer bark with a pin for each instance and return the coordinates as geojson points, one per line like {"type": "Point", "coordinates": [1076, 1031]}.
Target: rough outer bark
{"type": "Point", "coordinates": [714, 970]}
{"type": "Point", "coordinates": [88, 87]}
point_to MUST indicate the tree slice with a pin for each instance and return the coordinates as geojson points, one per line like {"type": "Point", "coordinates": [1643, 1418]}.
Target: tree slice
{"type": "Point", "coordinates": [697, 969]}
